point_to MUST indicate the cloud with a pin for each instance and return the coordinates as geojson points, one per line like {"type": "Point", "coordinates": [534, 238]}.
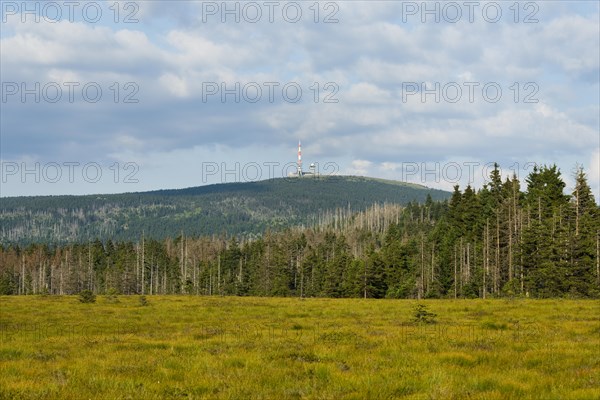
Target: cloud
{"type": "Point", "coordinates": [174, 84]}
{"type": "Point", "coordinates": [359, 167]}
{"type": "Point", "coordinates": [370, 56]}
{"type": "Point", "coordinates": [593, 172]}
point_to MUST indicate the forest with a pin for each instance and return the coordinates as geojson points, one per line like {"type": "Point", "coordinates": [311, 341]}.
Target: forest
{"type": "Point", "coordinates": [243, 209]}
{"type": "Point", "coordinates": [505, 239]}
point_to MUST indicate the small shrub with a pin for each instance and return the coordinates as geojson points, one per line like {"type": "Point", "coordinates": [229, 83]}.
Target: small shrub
{"type": "Point", "coordinates": [144, 301]}
{"type": "Point", "coordinates": [511, 288]}
{"type": "Point", "coordinates": [423, 316]}
{"type": "Point", "coordinates": [111, 295]}
{"type": "Point", "coordinates": [87, 296]}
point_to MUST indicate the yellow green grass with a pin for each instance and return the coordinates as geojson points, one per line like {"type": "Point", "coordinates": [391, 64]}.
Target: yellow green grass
{"type": "Point", "coordinates": [264, 348]}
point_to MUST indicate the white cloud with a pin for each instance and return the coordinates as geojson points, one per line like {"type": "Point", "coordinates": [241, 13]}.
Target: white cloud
{"type": "Point", "coordinates": [367, 93]}
{"type": "Point", "coordinates": [174, 84]}
{"type": "Point", "coordinates": [369, 55]}
{"type": "Point", "coordinates": [359, 167]}
{"type": "Point", "coordinates": [593, 172]}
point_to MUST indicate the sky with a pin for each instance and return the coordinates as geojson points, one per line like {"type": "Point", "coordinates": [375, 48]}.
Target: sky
{"type": "Point", "coordinates": [126, 96]}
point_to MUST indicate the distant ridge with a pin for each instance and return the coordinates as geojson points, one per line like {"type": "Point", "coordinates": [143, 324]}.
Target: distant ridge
{"type": "Point", "coordinates": [247, 208]}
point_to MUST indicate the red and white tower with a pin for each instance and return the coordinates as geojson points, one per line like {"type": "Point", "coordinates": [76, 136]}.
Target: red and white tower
{"type": "Point", "coordinates": [299, 159]}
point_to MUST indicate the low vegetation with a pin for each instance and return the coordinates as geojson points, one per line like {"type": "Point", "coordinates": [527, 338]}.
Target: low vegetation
{"type": "Point", "coordinates": [422, 315]}
{"type": "Point", "coordinates": [87, 296]}
{"type": "Point", "coordinates": [199, 347]}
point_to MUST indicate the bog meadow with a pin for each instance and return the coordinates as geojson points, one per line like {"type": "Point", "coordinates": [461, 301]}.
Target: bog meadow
{"type": "Point", "coordinates": [154, 347]}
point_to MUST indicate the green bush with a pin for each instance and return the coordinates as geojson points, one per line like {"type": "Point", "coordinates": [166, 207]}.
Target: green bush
{"type": "Point", "coordinates": [423, 316]}
{"type": "Point", "coordinates": [144, 301]}
{"type": "Point", "coordinates": [87, 296]}
{"type": "Point", "coordinates": [111, 295]}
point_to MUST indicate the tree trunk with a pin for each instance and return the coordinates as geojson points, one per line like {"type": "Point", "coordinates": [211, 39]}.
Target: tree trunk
{"type": "Point", "coordinates": [455, 280]}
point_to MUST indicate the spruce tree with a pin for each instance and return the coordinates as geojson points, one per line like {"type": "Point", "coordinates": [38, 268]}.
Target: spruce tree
{"type": "Point", "coordinates": [582, 274]}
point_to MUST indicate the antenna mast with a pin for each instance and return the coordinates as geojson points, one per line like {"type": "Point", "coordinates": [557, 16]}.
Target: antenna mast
{"type": "Point", "coordinates": [299, 159]}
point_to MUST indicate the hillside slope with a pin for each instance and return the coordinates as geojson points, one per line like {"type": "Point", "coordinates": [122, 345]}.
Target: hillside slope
{"type": "Point", "coordinates": [235, 208]}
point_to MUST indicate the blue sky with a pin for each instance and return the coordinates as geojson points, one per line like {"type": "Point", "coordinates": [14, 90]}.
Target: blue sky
{"type": "Point", "coordinates": [163, 119]}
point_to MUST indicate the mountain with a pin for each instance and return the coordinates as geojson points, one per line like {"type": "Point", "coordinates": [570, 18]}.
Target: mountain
{"type": "Point", "coordinates": [234, 208]}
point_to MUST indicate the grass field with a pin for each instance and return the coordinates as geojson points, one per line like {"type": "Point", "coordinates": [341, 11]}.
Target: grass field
{"type": "Point", "coordinates": [260, 348]}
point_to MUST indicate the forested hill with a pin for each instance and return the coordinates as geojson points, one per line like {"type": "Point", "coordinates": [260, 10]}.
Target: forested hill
{"type": "Point", "coordinates": [233, 208]}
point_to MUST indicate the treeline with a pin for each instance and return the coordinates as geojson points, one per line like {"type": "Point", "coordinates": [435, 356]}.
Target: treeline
{"type": "Point", "coordinates": [497, 241]}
